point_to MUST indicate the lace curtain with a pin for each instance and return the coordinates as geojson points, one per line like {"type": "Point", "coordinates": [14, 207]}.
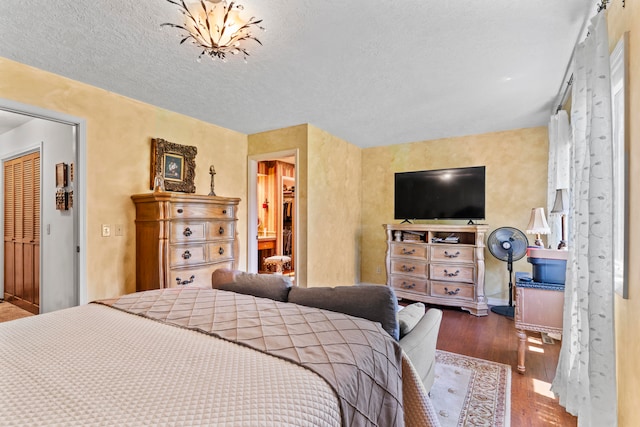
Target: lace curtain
{"type": "Point", "coordinates": [559, 161]}
{"type": "Point", "coordinates": [585, 377]}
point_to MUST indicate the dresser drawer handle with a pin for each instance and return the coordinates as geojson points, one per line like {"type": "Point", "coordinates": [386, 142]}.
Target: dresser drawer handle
{"type": "Point", "coordinates": [448, 292]}
{"type": "Point", "coordinates": [406, 252]}
{"type": "Point", "coordinates": [446, 273]}
{"type": "Point", "coordinates": [407, 286]}
{"type": "Point", "coordinates": [224, 211]}
{"type": "Point", "coordinates": [221, 251]}
{"type": "Point", "coordinates": [185, 282]}
{"type": "Point", "coordinates": [221, 230]}
{"type": "Point", "coordinates": [407, 269]}
{"type": "Point", "coordinates": [187, 232]}
{"type": "Point", "coordinates": [186, 255]}
{"type": "Point", "coordinates": [180, 211]}
{"type": "Point", "coordinates": [448, 255]}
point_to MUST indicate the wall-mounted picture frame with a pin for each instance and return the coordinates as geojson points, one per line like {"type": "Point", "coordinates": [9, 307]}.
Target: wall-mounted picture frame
{"type": "Point", "coordinates": [621, 147]}
{"type": "Point", "coordinates": [61, 175]}
{"type": "Point", "coordinates": [173, 169]}
{"type": "Point", "coordinates": [175, 163]}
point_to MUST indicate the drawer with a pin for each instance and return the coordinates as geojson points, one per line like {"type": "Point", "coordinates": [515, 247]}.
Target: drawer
{"type": "Point", "coordinates": [220, 230]}
{"type": "Point", "coordinates": [410, 267]}
{"type": "Point", "coordinates": [409, 284]}
{"type": "Point", "coordinates": [452, 272]}
{"type": "Point", "coordinates": [196, 277]}
{"type": "Point", "coordinates": [266, 244]}
{"type": "Point", "coordinates": [452, 253]}
{"type": "Point", "coordinates": [219, 251]}
{"type": "Point", "coordinates": [200, 210]}
{"type": "Point", "coordinates": [415, 250]}
{"type": "Point", "coordinates": [187, 231]}
{"type": "Point", "coordinates": [186, 255]}
{"type": "Point", "coordinates": [539, 307]}
{"type": "Point", "coordinates": [453, 290]}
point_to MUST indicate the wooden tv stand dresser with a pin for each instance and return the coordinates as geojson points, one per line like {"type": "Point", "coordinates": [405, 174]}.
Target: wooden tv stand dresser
{"type": "Point", "coordinates": [423, 266]}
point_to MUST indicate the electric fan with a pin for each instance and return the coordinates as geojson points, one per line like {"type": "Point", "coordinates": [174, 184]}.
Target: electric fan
{"type": "Point", "coordinates": [507, 244]}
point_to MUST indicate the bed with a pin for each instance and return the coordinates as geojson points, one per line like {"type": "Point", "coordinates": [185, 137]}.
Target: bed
{"type": "Point", "coordinates": [204, 357]}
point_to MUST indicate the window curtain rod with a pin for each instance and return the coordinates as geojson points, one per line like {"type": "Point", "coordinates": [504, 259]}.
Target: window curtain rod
{"type": "Point", "coordinates": [566, 90]}
{"type": "Point", "coordinates": [562, 94]}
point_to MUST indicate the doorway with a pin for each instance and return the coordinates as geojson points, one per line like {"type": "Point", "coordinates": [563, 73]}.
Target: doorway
{"type": "Point", "coordinates": [272, 202]}
{"type": "Point", "coordinates": [59, 138]}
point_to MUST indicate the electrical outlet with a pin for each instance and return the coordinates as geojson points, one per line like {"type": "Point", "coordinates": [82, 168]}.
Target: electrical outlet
{"type": "Point", "coordinates": [118, 230]}
{"type": "Point", "coordinates": [106, 230]}
{"type": "Point", "coordinates": [378, 270]}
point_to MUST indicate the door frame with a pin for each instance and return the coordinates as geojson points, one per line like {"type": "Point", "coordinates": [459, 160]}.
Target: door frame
{"type": "Point", "coordinates": [80, 178]}
{"type": "Point", "coordinates": [252, 208]}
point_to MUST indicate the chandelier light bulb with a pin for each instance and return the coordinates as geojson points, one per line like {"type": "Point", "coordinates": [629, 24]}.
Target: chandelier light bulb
{"type": "Point", "coordinates": [216, 27]}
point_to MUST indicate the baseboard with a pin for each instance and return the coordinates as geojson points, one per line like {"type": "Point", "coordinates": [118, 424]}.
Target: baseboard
{"type": "Point", "coordinates": [496, 301]}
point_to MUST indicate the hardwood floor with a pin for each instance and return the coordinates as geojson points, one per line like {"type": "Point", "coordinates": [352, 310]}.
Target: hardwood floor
{"type": "Point", "coordinates": [9, 311]}
{"type": "Point", "coordinates": [493, 337]}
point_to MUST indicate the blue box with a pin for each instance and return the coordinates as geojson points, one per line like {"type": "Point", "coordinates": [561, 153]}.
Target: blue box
{"type": "Point", "coordinates": [546, 270]}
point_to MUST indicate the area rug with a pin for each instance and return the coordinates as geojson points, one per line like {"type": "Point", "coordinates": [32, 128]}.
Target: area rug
{"type": "Point", "coordinates": [471, 392]}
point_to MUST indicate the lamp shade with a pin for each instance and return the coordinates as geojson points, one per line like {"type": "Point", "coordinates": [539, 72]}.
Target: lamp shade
{"type": "Point", "coordinates": [561, 204]}
{"type": "Point", "coordinates": [538, 223]}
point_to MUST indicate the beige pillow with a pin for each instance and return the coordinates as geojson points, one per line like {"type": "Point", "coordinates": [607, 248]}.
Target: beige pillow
{"type": "Point", "coordinates": [409, 317]}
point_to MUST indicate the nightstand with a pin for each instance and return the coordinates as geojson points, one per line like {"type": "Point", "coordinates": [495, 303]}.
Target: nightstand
{"type": "Point", "coordinates": [539, 308]}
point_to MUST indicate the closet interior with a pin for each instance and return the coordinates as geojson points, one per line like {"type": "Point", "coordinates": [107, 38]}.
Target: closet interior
{"type": "Point", "coordinates": [276, 215]}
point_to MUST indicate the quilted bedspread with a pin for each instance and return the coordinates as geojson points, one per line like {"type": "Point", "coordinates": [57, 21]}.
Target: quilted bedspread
{"type": "Point", "coordinates": [360, 361]}
{"type": "Point", "coordinates": [95, 365]}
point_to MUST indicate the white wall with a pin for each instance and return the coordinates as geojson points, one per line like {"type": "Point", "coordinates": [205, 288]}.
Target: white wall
{"type": "Point", "coordinates": [58, 287]}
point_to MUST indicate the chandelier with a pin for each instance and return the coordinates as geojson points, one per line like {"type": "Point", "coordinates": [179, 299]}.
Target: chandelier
{"type": "Point", "coordinates": [216, 27]}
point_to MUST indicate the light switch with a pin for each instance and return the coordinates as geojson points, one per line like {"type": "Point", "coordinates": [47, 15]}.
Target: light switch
{"type": "Point", "coordinates": [106, 230]}
{"type": "Point", "coordinates": [118, 230]}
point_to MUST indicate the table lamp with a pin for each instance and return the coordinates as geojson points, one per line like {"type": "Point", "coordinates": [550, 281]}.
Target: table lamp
{"type": "Point", "coordinates": [538, 225]}
{"type": "Point", "coordinates": [561, 206]}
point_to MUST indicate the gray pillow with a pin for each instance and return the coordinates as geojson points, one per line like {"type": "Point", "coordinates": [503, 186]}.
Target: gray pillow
{"type": "Point", "coordinates": [377, 303]}
{"type": "Point", "coordinates": [409, 317]}
{"type": "Point", "coordinates": [272, 286]}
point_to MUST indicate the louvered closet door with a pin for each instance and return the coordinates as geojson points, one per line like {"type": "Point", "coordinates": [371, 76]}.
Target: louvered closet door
{"type": "Point", "coordinates": [22, 231]}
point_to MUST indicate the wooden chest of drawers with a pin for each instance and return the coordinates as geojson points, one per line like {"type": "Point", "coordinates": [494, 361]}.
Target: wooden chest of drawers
{"type": "Point", "coordinates": [182, 238]}
{"type": "Point", "coordinates": [421, 267]}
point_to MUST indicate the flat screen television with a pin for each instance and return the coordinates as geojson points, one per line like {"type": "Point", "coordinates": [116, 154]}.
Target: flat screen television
{"type": "Point", "coordinates": [440, 194]}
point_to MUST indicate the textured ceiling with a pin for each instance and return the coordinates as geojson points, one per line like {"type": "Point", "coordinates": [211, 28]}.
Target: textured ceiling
{"type": "Point", "coordinates": [373, 72]}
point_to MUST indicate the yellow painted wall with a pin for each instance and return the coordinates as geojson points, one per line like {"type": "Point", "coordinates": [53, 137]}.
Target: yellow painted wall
{"type": "Point", "coordinates": [334, 172]}
{"type": "Point", "coordinates": [291, 138]}
{"type": "Point", "coordinates": [516, 181]}
{"type": "Point", "coordinates": [627, 320]}
{"type": "Point", "coordinates": [119, 132]}
{"type": "Point", "coordinates": [328, 202]}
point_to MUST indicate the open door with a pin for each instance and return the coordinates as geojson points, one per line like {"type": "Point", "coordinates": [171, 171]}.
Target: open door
{"type": "Point", "coordinates": [272, 212]}
{"type": "Point", "coordinates": [276, 208]}
{"type": "Point", "coordinates": [44, 262]}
